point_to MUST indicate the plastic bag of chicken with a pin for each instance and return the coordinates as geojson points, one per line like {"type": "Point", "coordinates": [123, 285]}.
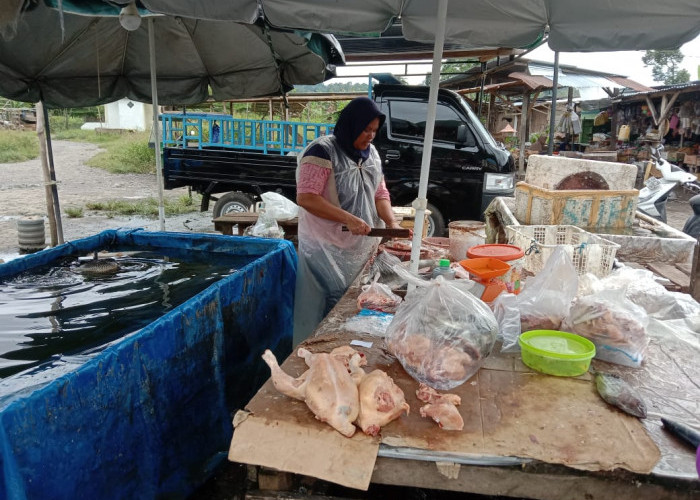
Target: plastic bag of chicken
{"type": "Point", "coordinates": [378, 297]}
{"type": "Point", "coordinates": [441, 333]}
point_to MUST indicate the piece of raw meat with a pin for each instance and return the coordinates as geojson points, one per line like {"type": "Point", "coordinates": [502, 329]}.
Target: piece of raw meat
{"type": "Point", "coordinates": [445, 414]}
{"type": "Point", "coordinates": [381, 401]}
{"type": "Point", "coordinates": [327, 387]}
{"type": "Point", "coordinates": [429, 395]}
{"type": "Point", "coordinates": [441, 407]}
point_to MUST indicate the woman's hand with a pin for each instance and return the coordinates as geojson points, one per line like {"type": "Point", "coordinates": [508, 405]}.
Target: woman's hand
{"type": "Point", "coordinates": [357, 225]}
{"type": "Point", "coordinates": [396, 225]}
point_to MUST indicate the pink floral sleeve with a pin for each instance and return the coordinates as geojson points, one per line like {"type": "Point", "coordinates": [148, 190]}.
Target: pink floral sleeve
{"type": "Point", "coordinates": [312, 179]}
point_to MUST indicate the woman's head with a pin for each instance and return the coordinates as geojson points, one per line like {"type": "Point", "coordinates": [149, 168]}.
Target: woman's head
{"type": "Point", "coordinates": [357, 125]}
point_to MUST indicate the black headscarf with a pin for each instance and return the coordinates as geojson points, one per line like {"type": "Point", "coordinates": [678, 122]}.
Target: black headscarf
{"type": "Point", "coordinates": [352, 121]}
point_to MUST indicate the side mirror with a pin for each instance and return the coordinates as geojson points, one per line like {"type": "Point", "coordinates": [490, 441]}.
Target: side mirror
{"type": "Point", "coordinates": [461, 135]}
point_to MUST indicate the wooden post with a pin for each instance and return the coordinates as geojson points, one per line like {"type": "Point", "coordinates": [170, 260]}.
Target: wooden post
{"type": "Point", "coordinates": [49, 179]}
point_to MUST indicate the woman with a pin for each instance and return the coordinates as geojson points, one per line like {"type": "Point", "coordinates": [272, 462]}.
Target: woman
{"type": "Point", "coordinates": [339, 183]}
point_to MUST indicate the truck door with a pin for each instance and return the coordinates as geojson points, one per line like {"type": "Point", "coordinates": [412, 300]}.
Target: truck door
{"type": "Point", "coordinates": [456, 176]}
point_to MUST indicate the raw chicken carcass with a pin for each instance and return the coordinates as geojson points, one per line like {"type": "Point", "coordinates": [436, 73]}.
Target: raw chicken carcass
{"type": "Point", "coordinates": [441, 407]}
{"type": "Point", "coordinates": [327, 387]}
{"type": "Point", "coordinates": [381, 401]}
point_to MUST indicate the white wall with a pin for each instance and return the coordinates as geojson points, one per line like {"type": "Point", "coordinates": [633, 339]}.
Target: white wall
{"type": "Point", "coordinates": [128, 115]}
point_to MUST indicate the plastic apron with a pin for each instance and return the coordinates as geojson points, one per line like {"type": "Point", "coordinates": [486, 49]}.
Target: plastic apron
{"type": "Point", "coordinates": [329, 258]}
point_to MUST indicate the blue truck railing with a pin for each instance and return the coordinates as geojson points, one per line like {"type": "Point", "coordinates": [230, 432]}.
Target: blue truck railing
{"type": "Point", "coordinates": [211, 130]}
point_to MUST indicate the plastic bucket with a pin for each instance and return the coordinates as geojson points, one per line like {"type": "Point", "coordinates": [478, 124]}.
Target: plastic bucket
{"type": "Point", "coordinates": [30, 234]}
{"type": "Point", "coordinates": [510, 254]}
{"type": "Point", "coordinates": [465, 234]}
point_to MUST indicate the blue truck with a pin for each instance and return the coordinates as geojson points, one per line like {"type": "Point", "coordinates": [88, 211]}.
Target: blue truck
{"type": "Point", "coordinates": [233, 161]}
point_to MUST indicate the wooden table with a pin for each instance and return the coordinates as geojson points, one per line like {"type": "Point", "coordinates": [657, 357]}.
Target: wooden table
{"type": "Point", "coordinates": [225, 223]}
{"type": "Point", "coordinates": [263, 436]}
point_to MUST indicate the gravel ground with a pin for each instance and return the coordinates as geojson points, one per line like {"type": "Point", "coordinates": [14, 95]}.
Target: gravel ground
{"type": "Point", "coordinates": [22, 194]}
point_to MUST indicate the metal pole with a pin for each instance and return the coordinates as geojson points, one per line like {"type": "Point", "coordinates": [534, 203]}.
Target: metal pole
{"type": "Point", "coordinates": [156, 122]}
{"type": "Point", "coordinates": [553, 111]}
{"type": "Point", "coordinates": [421, 202]}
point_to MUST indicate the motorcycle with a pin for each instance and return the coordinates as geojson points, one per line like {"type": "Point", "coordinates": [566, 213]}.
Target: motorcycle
{"type": "Point", "coordinates": [654, 194]}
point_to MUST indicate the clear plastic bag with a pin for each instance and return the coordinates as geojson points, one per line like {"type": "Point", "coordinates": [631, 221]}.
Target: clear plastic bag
{"type": "Point", "coordinates": [616, 326]}
{"type": "Point", "coordinates": [278, 207]}
{"type": "Point", "coordinates": [265, 227]}
{"type": "Point", "coordinates": [369, 321]}
{"type": "Point", "coordinates": [378, 297]}
{"type": "Point", "coordinates": [441, 333]}
{"type": "Point", "coordinates": [383, 264]}
{"type": "Point", "coordinates": [543, 303]}
{"type": "Point", "coordinates": [642, 289]}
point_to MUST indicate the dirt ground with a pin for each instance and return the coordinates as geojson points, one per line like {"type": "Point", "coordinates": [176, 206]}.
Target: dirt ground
{"type": "Point", "coordinates": [22, 194]}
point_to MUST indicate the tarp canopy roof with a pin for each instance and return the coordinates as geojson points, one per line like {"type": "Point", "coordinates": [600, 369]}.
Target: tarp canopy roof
{"type": "Point", "coordinates": [70, 60]}
{"type": "Point", "coordinates": [571, 25]}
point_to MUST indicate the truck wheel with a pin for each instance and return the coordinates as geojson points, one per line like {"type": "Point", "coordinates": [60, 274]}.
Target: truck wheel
{"type": "Point", "coordinates": [235, 202]}
{"type": "Point", "coordinates": [436, 222]}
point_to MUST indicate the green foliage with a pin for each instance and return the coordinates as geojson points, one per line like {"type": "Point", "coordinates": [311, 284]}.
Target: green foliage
{"type": "Point", "coordinates": [128, 153]}
{"type": "Point", "coordinates": [16, 146]}
{"type": "Point", "coordinates": [74, 212]}
{"type": "Point", "coordinates": [664, 66]}
{"type": "Point", "coordinates": [147, 207]}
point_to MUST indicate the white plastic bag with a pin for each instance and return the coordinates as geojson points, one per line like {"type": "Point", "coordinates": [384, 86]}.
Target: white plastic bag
{"type": "Point", "coordinates": [278, 207]}
{"type": "Point", "coordinates": [265, 227]}
{"type": "Point", "coordinates": [441, 333]}
{"type": "Point", "coordinates": [378, 297]}
{"type": "Point", "coordinates": [616, 326]}
{"type": "Point", "coordinates": [543, 303]}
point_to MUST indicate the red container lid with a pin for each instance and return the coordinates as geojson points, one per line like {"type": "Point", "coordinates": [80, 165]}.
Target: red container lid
{"type": "Point", "coordinates": [496, 251]}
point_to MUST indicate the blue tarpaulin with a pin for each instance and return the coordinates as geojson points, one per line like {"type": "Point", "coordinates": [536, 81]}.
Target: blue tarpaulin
{"type": "Point", "coordinates": [150, 415]}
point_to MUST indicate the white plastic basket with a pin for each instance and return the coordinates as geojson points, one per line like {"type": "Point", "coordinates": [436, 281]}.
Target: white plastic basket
{"type": "Point", "coordinates": [589, 252]}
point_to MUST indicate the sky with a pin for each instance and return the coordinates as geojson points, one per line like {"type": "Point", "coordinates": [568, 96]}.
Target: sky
{"type": "Point", "coordinates": [627, 64]}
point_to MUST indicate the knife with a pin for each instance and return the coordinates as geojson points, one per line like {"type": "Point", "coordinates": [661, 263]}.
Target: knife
{"type": "Point", "coordinates": [386, 232]}
{"type": "Point", "coordinates": [686, 433]}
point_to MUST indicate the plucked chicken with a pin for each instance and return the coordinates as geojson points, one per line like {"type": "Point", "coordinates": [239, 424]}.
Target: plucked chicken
{"type": "Point", "coordinates": [328, 387]}
{"type": "Point", "coordinates": [381, 401]}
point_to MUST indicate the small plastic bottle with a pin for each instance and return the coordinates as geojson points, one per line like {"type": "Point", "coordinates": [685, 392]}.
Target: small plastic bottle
{"type": "Point", "coordinates": [444, 270]}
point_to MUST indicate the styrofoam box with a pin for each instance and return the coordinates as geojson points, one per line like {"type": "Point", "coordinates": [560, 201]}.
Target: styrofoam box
{"type": "Point", "coordinates": [547, 171]}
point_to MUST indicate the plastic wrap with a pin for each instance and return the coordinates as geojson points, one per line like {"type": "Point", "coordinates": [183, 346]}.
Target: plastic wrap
{"type": "Point", "coordinates": [279, 207]}
{"type": "Point", "coordinates": [613, 323]}
{"type": "Point", "coordinates": [441, 334]}
{"type": "Point", "coordinates": [369, 321]}
{"type": "Point", "coordinates": [642, 289]}
{"type": "Point", "coordinates": [383, 264]}
{"type": "Point", "coordinates": [543, 303]}
{"type": "Point", "coordinates": [265, 227]}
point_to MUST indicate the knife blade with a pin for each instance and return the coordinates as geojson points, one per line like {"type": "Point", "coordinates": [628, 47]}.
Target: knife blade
{"type": "Point", "coordinates": [386, 232]}
{"type": "Point", "coordinates": [686, 433]}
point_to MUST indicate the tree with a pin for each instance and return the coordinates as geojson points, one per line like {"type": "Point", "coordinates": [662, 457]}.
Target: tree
{"type": "Point", "coordinates": [664, 66]}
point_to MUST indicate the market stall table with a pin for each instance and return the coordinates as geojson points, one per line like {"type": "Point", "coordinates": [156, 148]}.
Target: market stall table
{"type": "Point", "coordinates": [525, 434]}
{"type": "Point", "coordinates": [225, 223]}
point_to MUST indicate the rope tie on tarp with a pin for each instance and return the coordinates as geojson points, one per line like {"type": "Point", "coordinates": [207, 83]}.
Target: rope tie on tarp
{"type": "Point", "coordinates": [581, 248]}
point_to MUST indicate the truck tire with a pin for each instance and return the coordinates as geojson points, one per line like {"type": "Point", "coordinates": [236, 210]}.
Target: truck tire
{"type": "Point", "coordinates": [234, 202]}
{"type": "Point", "coordinates": [436, 222]}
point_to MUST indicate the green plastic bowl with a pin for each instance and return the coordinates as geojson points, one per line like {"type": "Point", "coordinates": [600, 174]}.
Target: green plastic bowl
{"type": "Point", "coordinates": [556, 353]}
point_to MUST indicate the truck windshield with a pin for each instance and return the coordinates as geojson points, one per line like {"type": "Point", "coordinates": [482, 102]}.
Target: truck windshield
{"type": "Point", "coordinates": [477, 123]}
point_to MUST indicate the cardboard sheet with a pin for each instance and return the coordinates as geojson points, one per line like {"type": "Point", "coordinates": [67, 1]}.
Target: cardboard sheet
{"type": "Point", "coordinates": [507, 410]}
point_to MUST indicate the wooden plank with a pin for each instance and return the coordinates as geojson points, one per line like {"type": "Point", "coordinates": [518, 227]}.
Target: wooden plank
{"type": "Point", "coordinates": [672, 273]}
{"type": "Point", "coordinates": [529, 482]}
